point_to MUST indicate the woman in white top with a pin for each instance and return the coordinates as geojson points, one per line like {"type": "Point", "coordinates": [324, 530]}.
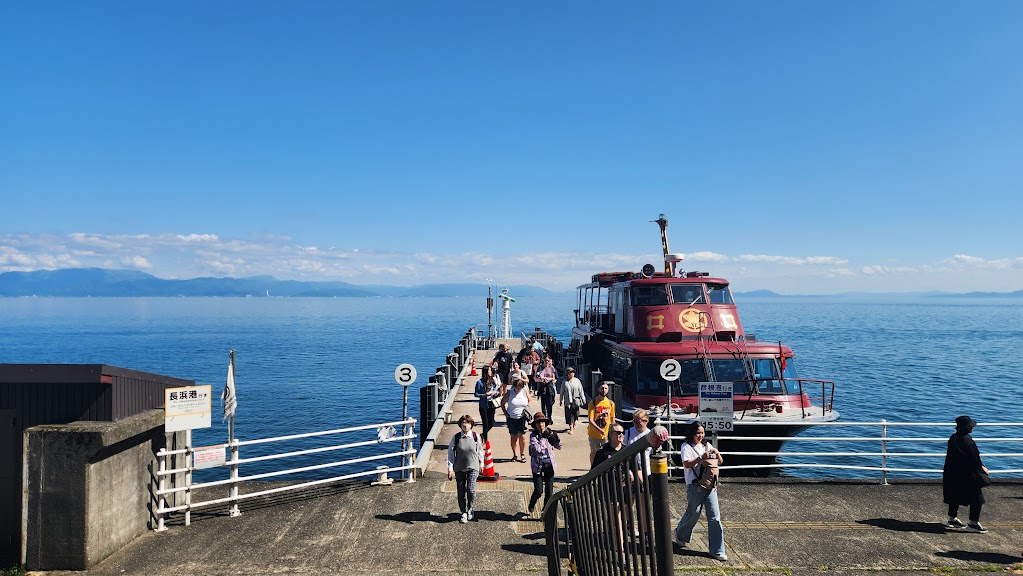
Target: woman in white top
{"type": "Point", "coordinates": [694, 453]}
{"type": "Point", "coordinates": [515, 404]}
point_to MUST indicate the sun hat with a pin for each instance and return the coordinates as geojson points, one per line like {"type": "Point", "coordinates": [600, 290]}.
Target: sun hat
{"type": "Point", "coordinates": [540, 417]}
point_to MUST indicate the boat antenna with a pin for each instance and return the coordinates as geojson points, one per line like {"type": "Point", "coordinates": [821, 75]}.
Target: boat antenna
{"type": "Point", "coordinates": [669, 267]}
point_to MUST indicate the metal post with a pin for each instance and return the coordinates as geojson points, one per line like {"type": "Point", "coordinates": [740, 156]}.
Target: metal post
{"type": "Point", "coordinates": [407, 446]}
{"type": "Point", "coordinates": [884, 452]}
{"type": "Point", "coordinates": [661, 502]}
{"type": "Point", "coordinates": [405, 472]}
{"type": "Point", "coordinates": [233, 444]}
{"type": "Point", "coordinates": [189, 458]}
{"type": "Point", "coordinates": [162, 499]}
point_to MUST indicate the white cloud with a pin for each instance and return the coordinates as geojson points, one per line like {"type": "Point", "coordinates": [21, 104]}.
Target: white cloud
{"type": "Point", "coordinates": [198, 237]}
{"type": "Point", "coordinates": [135, 262]}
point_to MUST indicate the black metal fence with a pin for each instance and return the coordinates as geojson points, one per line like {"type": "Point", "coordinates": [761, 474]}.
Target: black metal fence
{"type": "Point", "coordinates": [616, 517]}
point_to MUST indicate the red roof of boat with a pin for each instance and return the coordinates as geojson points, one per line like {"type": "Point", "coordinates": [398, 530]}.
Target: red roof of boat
{"type": "Point", "coordinates": [693, 347]}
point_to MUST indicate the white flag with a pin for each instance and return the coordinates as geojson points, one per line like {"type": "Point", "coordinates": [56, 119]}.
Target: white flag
{"type": "Point", "coordinates": [228, 396]}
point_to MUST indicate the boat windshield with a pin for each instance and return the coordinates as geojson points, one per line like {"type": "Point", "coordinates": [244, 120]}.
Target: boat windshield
{"type": "Point", "coordinates": [765, 370]}
{"type": "Point", "coordinates": [719, 294]}
{"type": "Point", "coordinates": [649, 295]}
{"type": "Point", "coordinates": [687, 294]}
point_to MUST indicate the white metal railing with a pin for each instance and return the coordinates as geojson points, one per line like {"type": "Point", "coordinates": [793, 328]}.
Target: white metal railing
{"type": "Point", "coordinates": [882, 454]}
{"type": "Point", "coordinates": [386, 433]}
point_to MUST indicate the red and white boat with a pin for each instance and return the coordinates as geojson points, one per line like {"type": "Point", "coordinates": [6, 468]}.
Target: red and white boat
{"type": "Point", "coordinates": [628, 323]}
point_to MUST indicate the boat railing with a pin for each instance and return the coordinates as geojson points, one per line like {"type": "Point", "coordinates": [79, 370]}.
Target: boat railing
{"type": "Point", "coordinates": [844, 448]}
{"type": "Point", "coordinates": [826, 400]}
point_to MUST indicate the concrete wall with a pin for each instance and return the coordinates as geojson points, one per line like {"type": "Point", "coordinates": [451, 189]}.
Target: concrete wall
{"type": "Point", "coordinates": [88, 489]}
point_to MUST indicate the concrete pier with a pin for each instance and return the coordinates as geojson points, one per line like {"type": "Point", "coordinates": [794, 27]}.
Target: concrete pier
{"type": "Point", "coordinates": [794, 527]}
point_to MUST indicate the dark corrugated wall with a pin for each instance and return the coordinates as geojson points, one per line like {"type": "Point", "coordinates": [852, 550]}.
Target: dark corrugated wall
{"type": "Point", "coordinates": [34, 394]}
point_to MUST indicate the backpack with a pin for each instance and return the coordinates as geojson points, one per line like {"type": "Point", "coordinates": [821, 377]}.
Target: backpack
{"type": "Point", "coordinates": [708, 479]}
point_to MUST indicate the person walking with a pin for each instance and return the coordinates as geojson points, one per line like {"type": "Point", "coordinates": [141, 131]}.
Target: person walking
{"type": "Point", "coordinates": [488, 390]}
{"type": "Point", "coordinates": [601, 414]}
{"type": "Point", "coordinates": [615, 442]}
{"type": "Point", "coordinates": [961, 477]}
{"type": "Point", "coordinates": [695, 453]}
{"type": "Point", "coordinates": [515, 404]}
{"type": "Point", "coordinates": [465, 458]}
{"type": "Point", "coordinates": [547, 382]}
{"type": "Point", "coordinates": [542, 443]}
{"type": "Point", "coordinates": [572, 398]}
{"type": "Point", "coordinates": [502, 362]}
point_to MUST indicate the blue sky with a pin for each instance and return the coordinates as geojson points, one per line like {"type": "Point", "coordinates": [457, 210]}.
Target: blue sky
{"type": "Point", "coordinates": [803, 147]}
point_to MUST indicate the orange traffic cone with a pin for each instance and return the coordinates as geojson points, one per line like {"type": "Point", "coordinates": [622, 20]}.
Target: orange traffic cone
{"type": "Point", "coordinates": [473, 372]}
{"type": "Point", "coordinates": [488, 474]}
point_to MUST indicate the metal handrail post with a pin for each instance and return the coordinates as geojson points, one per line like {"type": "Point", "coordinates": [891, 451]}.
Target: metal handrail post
{"type": "Point", "coordinates": [189, 461]}
{"type": "Point", "coordinates": [661, 501]}
{"type": "Point", "coordinates": [233, 443]}
{"type": "Point", "coordinates": [162, 500]}
{"type": "Point", "coordinates": [884, 452]}
{"type": "Point", "coordinates": [408, 458]}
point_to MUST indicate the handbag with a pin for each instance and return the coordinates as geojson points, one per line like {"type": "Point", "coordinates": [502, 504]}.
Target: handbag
{"type": "Point", "coordinates": [527, 416]}
{"type": "Point", "coordinates": [495, 402]}
{"type": "Point", "coordinates": [983, 480]}
{"type": "Point", "coordinates": [708, 479]}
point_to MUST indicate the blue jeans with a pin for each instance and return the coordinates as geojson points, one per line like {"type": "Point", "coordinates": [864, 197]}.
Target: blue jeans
{"type": "Point", "coordinates": [696, 499]}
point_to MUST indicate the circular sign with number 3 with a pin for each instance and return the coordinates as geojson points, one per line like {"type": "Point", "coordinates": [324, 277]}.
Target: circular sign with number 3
{"type": "Point", "coordinates": [405, 374]}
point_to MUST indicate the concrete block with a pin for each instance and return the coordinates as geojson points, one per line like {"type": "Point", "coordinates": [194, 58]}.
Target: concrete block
{"type": "Point", "coordinates": [87, 489]}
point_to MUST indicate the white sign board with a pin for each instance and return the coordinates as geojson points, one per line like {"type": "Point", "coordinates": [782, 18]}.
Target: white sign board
{"type": "Point", "coordinates": [671, 370]}
{"type": "Point", "coordinates": [187, 408]}
{"type": "Point", "coordinates": [716, 407]}
{"type": "Point", "coordinates": [209, 457]}
{"type": "Point", "coordinates": [405, 374]}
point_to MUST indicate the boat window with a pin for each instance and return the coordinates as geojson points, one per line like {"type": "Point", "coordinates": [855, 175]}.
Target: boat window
{"type": "Point", "coordinates": [765, 371]}
{"type": "Point", "coordinates": [687, 294]}
{"type": "Point", "coordinates": [719, 294]}
{"type": "Point", "coordinates": [649, 295]}
{"type": "Point", "coordinates": [649, 381]}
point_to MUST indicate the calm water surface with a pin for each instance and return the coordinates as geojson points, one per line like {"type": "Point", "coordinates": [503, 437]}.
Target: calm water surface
{"type": "Point", "coordinates": [308, 364]}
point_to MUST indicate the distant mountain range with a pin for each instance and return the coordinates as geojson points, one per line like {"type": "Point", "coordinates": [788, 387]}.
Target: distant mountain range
{"type": "Point", "coordinates": [77, 282]}
{"type": "Point", "coordinates": [104, 282]}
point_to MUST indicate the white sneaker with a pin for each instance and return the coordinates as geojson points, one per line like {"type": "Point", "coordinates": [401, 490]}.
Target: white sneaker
{"type": "Point", "coordinates": [954, 523]}
{"type": "Point", "coordinates": [469, 514]}
{"type": "Point", "coordinates": [976, 527]}
{"type": "Point", "coordinates": [464, 518]}
{"type": "Point", "coordinates": [721, 557]}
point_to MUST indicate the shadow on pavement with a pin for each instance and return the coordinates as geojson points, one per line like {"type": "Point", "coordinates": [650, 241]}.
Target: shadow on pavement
{"type": "Point", "coordinates": [531, 549]}
{"type": "Point", "coordinates": [987, 557]}
{"type": "Point", "coordinates": [903, 526]}
{"type": "Point", "coordinates": [413, 517]}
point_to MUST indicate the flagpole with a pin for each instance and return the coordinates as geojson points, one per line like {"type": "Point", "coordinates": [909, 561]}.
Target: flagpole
{"type": "Point", "coordinates": [232, 447]}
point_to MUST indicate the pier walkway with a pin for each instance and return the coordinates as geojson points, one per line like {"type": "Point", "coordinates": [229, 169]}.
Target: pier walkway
{"type": "Point", "coordinates": [792, 527]}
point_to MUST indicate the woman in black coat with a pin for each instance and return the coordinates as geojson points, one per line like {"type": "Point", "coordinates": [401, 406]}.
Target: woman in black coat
{"type": "Point", "coordinates": [959, 478]}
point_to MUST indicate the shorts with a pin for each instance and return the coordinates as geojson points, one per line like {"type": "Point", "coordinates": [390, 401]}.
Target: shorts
{"type": "Point", "coordinates": [517, 425]}
{"type": "Point", "coordinates": [596, 443]}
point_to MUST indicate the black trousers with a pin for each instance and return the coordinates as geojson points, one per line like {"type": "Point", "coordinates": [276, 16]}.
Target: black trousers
{"type": "Point", "coordinates": [543, 483]}
{"type": "Point", "coordinates": [487, 418]}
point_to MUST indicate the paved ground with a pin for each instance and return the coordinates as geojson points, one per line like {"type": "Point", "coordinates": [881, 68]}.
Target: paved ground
{"type": "Point", "coordinates": [771, 526]}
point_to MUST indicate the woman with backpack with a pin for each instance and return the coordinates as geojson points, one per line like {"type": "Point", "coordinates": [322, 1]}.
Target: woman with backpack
{"type": "Point", "coordinates": [547, 382]}
{"type": "Point", "coordinates": [696, 457]}
{"type": "Point", "coordinates": [465, 458]}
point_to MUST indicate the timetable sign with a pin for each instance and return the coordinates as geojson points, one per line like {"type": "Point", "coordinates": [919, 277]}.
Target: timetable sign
{"type": "Point", "coordinates": [187, 408]}
{"type": "Point", "coordinates": [716, 406]}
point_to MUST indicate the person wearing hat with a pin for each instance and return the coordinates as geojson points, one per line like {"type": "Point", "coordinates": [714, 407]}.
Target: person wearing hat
{"type": "Point", "coordinates": [572, 398]}
{"type": "Point", "coordinates": [960, 480]}
{"type": "Point", "coordinates": [542, 442]}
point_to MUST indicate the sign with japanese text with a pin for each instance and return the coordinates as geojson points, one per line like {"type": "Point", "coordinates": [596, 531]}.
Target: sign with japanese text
{"type": "Point", "coordinates": [209, 457]}
{"type": "Point", "coordinates": [716, 407]}
{"type": "Point", "coordinates": [187, 408]}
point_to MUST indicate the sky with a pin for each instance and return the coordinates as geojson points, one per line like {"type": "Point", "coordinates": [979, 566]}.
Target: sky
{"type": "Point", "coordinates": [804, 147]}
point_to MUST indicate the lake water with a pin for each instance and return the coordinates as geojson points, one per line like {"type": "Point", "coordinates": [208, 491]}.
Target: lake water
{"type": "Point", "coordinates": [309, 364]}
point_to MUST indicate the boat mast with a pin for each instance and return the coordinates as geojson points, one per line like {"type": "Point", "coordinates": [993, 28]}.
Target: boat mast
{"type": "Point", "coordinates": [669, 266]}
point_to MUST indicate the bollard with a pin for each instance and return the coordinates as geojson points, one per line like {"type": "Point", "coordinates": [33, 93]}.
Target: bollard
{"type": "Point", "coordinates": [660, 499]}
